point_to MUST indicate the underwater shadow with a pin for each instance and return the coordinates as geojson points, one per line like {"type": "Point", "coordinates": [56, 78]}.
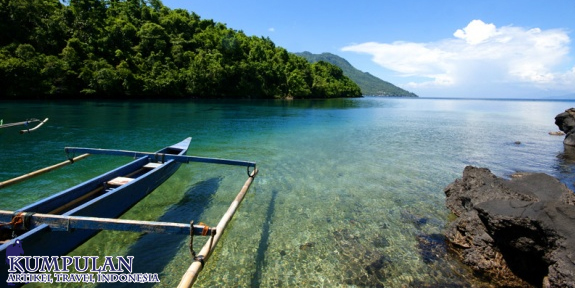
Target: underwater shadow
{"type": "Point", "coordinates": [153, 252]}
{"type": "Point", "coordinates": [264, 243]}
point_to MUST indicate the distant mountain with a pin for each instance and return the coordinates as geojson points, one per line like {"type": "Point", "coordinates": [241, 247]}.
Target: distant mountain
{"type": "Point", "coordinates": [369, 84]}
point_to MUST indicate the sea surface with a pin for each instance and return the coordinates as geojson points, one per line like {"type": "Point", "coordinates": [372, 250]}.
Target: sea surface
{"type": "Point", "coordinates": [349, 191]}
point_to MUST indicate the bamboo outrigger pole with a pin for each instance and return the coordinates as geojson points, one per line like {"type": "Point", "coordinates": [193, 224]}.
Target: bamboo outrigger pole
{"type": "Point", "coordinates": [192, 273]}
{"type": "Point", "coordinates": [41, 171]}
{"type": "Point", "coordinates": [26, 221]}
{"type": "Point", "coordinates": [32, 129]}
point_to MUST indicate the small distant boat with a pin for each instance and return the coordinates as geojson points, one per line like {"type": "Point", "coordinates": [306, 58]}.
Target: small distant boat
{"type": "Point", "coordinates": [56, 225]}
{"type": "Point", "coordinates": [24, 123]}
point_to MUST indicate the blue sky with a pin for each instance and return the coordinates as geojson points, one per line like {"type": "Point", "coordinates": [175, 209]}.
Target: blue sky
{"type": "Point", "coordinates": [444, 48]}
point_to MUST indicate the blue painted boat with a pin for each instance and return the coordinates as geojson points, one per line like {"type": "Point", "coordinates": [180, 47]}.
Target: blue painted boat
{"type": "Point", "coordinates": [106, 196]}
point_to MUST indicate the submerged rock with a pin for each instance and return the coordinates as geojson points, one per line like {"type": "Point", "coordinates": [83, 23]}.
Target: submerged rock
{"type": "Point", "coordinates": [518, 232]}
{"type": "Point", "coordinates": [417, 220]}
{"type": "Point", "coordinates": [306, 246]}
{"type": "Point", "coordinates": [378, 268]}
{"type": "Point", "coordinates": [432, 247]}
{"type": "Point", "coordinates": [380, 242]}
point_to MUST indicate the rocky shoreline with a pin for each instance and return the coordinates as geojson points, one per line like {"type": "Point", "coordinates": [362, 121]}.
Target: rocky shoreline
{"type": "Point", "coordinates": [517, 232]}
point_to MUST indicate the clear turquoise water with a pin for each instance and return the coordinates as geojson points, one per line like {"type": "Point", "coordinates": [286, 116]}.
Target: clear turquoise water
{"type": "Point", "coordinates": [349, 190]}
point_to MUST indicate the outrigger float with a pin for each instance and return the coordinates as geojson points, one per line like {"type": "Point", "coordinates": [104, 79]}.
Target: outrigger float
{"type": "Point", "coordinates": [24, 123]}
{"type": "Point", "coordinates": [56, 225]}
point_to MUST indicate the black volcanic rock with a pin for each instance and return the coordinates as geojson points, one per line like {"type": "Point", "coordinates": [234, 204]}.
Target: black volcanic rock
{"type": "Point", "coordinates": [566, 123]}
{"type": "Point", "coordinates": [518, 232]}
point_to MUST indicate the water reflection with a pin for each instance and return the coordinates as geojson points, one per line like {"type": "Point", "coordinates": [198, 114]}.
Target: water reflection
{"type": "Point", "coordinates": [568, 155]}
{"type": "Point", "coordinates": [566, 166]}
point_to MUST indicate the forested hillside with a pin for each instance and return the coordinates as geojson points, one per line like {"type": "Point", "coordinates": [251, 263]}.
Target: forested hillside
{"type": "Point", "coordinates": [369, 84]}
{"type": "Point", "coordinates": [140, 48]}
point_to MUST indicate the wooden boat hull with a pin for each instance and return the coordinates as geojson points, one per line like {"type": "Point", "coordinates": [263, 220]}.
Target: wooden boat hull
{"type": "Point", "coordinates": [108, 203]}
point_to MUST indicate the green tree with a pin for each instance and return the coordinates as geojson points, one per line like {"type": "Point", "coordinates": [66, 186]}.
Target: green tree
{"type": "Point", "coordinates": [153, 38]}
{"type": "Point", "coordinates": [133, 48]}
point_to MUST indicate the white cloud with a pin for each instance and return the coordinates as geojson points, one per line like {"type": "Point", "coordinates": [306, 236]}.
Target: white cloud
{"type": "Point", "coordinates": [480, 55]}
{"type": "Point", "coordinates": [272, 29]}
{"type": "Point", "coordinates": [476, 32]}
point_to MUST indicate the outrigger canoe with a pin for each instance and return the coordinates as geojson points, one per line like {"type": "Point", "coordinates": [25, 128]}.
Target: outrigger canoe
{"type": "Point", "coordinates": [56, 225]}
{"type": "Point", "coordinates": [24, 123]}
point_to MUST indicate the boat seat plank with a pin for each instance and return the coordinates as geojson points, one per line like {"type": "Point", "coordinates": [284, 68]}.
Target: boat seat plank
{"type": "Point", "coordinates": [152, 165]}
{"type": "Point", "coordinates": [119, 181]}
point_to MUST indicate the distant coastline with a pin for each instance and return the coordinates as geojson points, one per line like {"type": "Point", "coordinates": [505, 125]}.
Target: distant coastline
{"type": "Point", "coordinates": [499, 99]}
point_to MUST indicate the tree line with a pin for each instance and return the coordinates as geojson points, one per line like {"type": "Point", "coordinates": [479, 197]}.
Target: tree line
{"type": "Point", "coordinates": [141, 48]}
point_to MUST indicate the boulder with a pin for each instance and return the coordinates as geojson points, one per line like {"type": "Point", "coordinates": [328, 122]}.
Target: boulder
{"type": "Point", "coordinates": [516, 233]}
{"type": "Point", "coordinates": [566, 123]}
